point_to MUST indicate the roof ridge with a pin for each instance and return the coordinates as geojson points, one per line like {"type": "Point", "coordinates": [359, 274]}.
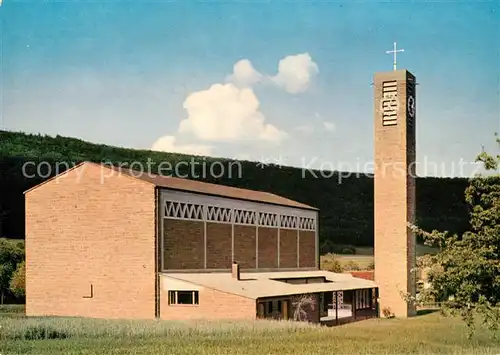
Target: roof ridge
{"type": "Point", "coordinates": [193, 185]}
{"type": "Point", "coordinates": [285, 201]}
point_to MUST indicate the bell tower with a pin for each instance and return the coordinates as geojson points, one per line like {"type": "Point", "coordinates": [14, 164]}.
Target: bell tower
{"type": "Point", "coordinates": [394, 116]}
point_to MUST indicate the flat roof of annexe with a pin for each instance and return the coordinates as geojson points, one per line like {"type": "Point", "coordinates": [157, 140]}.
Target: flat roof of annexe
{"type": "Point", "coordinates": [262, 285]}
{"type": "Point", "coordinates": [194, 186]}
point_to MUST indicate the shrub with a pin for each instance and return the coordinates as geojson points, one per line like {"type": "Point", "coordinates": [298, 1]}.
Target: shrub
{"type": "Point", "coordinates": [343, 249]}
{"type": "Point", "coordinates": [302, 304]}
{"type": "Point", "coordinates": [371, 265]}
{"type": "Point", "coordinates": [39, 332]}
{"type": "Point", "coordinates": [348, 250]}
{"type": "Point", "coordinates": [387, 313]}
{"type": "Point", "coordinates": [18, 281]}
{"type": "Point", "coordinates": [11, 254]}
{"type": "Point", "coordinates": [326, 247]}
{"type": "Point", "coordinates": [330, 263]}
{"type": "Point", "coordinates": [352, 266]}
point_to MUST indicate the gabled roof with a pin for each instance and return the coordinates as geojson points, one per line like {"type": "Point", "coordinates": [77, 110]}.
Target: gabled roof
{"type": "Point", "coordinates": [259, 285]}
{"type": "Point", "coordinates": [188, 185]}
{"type": "Point", "coordinates": [200, 187]}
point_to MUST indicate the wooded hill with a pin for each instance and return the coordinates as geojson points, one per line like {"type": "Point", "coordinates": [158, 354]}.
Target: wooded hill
{"type": "Point", "coordinates": [345, 202]}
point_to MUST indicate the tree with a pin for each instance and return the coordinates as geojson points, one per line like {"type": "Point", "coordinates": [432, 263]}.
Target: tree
{"type": "Point", "coordinates": [3, 216]}
{"type": "Point", "coordinates": [11, 254]}
{"type": "Point", "coordinates": [302, 305]}
{"type": "Point", "coordinates": [465, 274]}
{"type": "Point", "coordinates": [343, 219]}
{"type": "Point", "coordinates": [18, 281]}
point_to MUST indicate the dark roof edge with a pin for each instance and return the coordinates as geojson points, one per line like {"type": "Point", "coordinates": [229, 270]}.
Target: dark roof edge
{"type": "Point", "coordinates": [304, 207]}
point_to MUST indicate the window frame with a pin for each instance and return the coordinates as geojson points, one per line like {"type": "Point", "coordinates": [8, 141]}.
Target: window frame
{"type": "Point", "coordinates": [173, 297]}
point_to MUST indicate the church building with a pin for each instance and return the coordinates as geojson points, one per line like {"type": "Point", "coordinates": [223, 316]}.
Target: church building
{"type": "Point", "coordinates": [106, 242]}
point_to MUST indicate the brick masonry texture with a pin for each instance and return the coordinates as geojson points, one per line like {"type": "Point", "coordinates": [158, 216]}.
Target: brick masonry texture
{"type": "Point", "coordinates": [94, 226]}
{"type": "Point", "coordinates": [213, 304]}
{"type": "Point", "coordinates": [245, 246]}
{"type": "Point", "coordinates": [82, 231]}
{"type": "Point", "coordinates": [184, 245]}
{"type": "Point", "coordinates": [268, 247]}
{"type": "Point", "coordinates": [288, 248]}
{"type": "Point", "coordinates": [307, 249]}
{"type": "Point", "coordinates": [219, 246]}
{"type": "Point", "coordinates": [394, 202]}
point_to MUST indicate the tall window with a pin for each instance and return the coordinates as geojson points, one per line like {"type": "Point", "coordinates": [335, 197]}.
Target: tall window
{"type": "Point", "coordinates": [183, 297]}
{"type": "Point", "coordinates": [272, 307]}
{"type": "Point", "coordinates": [363, 299]}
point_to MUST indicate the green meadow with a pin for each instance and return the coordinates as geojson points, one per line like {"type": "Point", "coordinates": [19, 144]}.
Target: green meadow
{"type": "Point", "coordinates": [425, 334]}
{"type": "Point", "coordinates": [362, 259]}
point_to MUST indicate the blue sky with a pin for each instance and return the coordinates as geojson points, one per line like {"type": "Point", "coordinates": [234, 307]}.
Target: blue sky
{"type": "Point", "coordinates": [128, 73]}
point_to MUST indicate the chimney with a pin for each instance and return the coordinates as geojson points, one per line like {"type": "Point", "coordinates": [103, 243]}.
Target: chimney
{"type": "Point", "coordinates": [235, 270]}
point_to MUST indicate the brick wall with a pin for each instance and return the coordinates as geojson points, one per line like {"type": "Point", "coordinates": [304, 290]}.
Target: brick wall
{"type": "Point", "coordinates": [394, 201]}
{"type": "Point", "coordinates": [268, 247]}
{"type": "Point", "coordinates": [245, 246]}
{"type": "Point", "coordinates": [219, 246]}
{"type": "Point", "coordinates": [183, 244]}
{"type": "Point", "coordinates": [213, 304]}
{"type": "Point", "coordinates": [307, 249]}
{"type": "Point", "coordinates": [83, 230]}
{"type": "Point", "coordinates": [288, 248]}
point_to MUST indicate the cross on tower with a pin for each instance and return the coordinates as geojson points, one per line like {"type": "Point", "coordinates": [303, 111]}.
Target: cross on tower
{"type": "Point", "coordinates": [395, 51]}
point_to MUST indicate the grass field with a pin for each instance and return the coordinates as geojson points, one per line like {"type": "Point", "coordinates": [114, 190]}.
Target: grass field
{"type": "Point", "coordinates": [425, 334]}
{"type": "Point", "coordinates": [364, 257]}
{"type": "Point", "coordinates": [421, 250]}
{"type": "Point", "coordinates": [363, 261]}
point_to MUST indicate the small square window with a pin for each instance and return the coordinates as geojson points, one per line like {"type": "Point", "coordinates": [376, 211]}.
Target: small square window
{"type": "Point", "coordinates": [183, 297]}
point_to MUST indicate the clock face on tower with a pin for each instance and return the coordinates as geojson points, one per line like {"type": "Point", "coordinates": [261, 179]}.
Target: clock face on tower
{"type": "Point", "coordinates": [411, 106]}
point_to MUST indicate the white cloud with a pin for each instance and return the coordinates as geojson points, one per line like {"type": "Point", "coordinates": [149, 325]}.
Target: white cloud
{"type": "Point", "coordinates": [244, 74]}
{"type": "Point", "coordinates": [295, 72]}
{"type": "Point", "coordinates": [306, 128]}
{"type": "Point", "coordinates": [168, 144]}
{"type": "Point", "coordinates": [225, 112]}
{"type": "Point", "coordinates": [329, 126]}
{"type": "Point", "coordinates": [230, 112]}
